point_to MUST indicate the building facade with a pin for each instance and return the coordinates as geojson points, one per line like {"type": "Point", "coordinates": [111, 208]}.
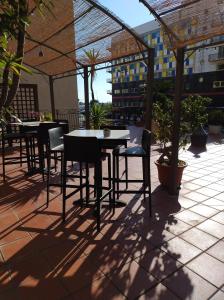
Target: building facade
{"type": "Point", "coordinates": [203, 70]}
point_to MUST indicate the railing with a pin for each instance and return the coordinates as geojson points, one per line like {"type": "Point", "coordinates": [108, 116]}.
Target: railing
{"type": "Point", "coordinates": [109, 80]}
{"type": "Point", "coordinates": [215, 57]}
{"type": "Point", "coordinates": [75, 118]}
{"type": "Point", "coordinates": [109, 92]}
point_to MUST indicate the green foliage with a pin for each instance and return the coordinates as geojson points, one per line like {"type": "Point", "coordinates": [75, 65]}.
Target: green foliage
{"type": "Point", "coordinates": [5, 112]}
{"type": "Point", "coordinates": [47, 116]}
{"type": "Point", "coordinates": [98, 116]}
{"type": "Point", "coordinates": [163, 116]}
{"type": "Point", "coordinates": [195, 111]}
{"type": "Point", "coordinates": [193, 115]}
{"type": "Point", "coordinates": [162, 88]}
{"type": "Point", "coordinates": [15, 17]}
{"type": "Point", "coordinates": [215, 117]}
{"type": "Point", "coordinates": [107, 107]}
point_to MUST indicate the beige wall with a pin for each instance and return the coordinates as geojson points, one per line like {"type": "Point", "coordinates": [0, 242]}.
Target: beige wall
{"type": "Point", "coordinates": [65, 91]}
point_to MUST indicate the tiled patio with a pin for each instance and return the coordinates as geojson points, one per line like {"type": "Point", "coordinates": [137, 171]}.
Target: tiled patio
{"type": "Point", "coordinates": [177, 254]}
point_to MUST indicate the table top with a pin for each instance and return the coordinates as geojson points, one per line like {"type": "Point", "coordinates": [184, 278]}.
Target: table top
{"type": "Point", "coordinates": [114, 134]}
{"type": "Point", "coordinates": [31, 124]}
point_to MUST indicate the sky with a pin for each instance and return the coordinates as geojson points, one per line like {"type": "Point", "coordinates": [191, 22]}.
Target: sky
{"type": "Point", "coordinates": [133, 14]}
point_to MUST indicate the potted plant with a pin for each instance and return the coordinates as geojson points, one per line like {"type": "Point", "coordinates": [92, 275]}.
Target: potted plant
{"type": "Point", "coordinates": [215, 120]}
{"type": "Point", "coordinates": [163, 117]}
{"type": "Point", "coordinates": [98, 116]}
{"type": "Point", "coordinates": [195, 113]}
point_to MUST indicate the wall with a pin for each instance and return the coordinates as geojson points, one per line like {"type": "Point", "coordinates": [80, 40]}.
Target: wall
{"type": "Point", "coordinates": [65, 91]}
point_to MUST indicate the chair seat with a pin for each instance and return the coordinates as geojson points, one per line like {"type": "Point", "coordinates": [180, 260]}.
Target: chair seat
{"type": "Point", "coordinates": [59, 148]}
{"type": "Point", "coordinates": [130, 151]}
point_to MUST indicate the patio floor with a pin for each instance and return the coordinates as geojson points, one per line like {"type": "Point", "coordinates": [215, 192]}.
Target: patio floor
{"type": "Point", "coordinates": [176, 254]}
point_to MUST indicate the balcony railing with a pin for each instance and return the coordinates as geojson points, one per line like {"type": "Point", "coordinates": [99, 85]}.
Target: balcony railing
{"type": "Point", "coordinates": [216, 57]}
{"type": "Point", "coordinates": [75, 118]}
{"type": "Point", "coordinates": [109, 92]}
{"type": "Point", "coordinates": [109, 80]}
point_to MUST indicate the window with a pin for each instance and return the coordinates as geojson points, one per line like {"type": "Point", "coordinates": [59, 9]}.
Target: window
{"type": "Point", "coordinates": [124, 91]}
{"type": "Point", "coordinates": [116, 92]}
{"type": "Point", "coordinates": [221, 67]}
{"type": "Point", "coordinates": [218, 84]}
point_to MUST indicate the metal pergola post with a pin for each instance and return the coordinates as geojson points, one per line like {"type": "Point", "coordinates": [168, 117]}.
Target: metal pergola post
{"type": "Point", "coordinates": [86, 93]}
{"type": "Point", "coordinates": [149, 94]}
{"type": "Point", "coordinates": [177, 117]}
{"type": "Point", "coordinates": [51, 83]}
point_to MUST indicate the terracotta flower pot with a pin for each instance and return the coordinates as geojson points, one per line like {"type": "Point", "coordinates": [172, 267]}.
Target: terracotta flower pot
{"type": "Point", "coordinates": [165, 172]}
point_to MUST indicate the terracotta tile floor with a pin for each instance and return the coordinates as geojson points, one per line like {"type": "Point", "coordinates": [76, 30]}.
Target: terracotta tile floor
{"type": "Point", "coordinates": [176, 254]}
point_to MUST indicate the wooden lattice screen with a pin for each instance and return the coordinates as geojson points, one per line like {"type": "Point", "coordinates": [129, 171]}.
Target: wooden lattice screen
{"type": "Point", "coordinates": [26, 101]}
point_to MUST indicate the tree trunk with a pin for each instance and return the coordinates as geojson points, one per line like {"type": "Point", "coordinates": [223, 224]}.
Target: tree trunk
{"type": "Point", "coordinates": [19, 53]}
{"type": "Point", "coordinates": [91, 86]}
{"type": "Point", "coordinates": [5, 87]}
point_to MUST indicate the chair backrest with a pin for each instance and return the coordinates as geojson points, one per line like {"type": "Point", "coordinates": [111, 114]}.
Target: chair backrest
{"type": "Point", "coordinates": [64, 124]}
{"type": "Point", "coordinates": [81, 149]}
{"type": "Point", "coordinates": [55, 135]}
{"type": "Point", "coordinates": [146, 141]}
{"type": "Point", "coordinates": [43, 136]}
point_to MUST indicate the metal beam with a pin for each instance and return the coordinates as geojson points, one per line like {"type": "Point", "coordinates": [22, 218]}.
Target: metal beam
{"type": "Point", "coordinates": [109, 14]}
{"type": "Point", "coordinates": [86, 92]}
{"type": "Point", "coordinates": [173, 188]}
{"type": "Point", "coordinates": [51, 83]}
{"type": "Point", "coordinates": [61, 29]}
{"type": "Point", "coordinates": [154, 13]}
{"type": "Point", "coordinates": [178, 7]}
{"type": "Point", "coordinates": [149, 94]}
{"type": "Point", "coordinates": [215, 44]}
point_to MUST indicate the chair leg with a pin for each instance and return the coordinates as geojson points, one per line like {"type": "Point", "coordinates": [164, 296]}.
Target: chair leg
{"type": "Point", "coordinates": [81, 190]}
{"type": "Point", "coordinates": [62, 161]}
{"type": "Point", "coordinates": [20, 152]}
{"type": "Point", "coordinates": [29, 160]}
{"type": "Point", "coordinates": [149, 186]}
{"type": "Point", "coordinates": [3, 160]}
{"type": "Point", "coordinates": [117, 176]}
{"type": "Point", "coordinates": [64, 191]}
{"type": "Point", "coordinates": [41, 160]}
{"type": "Point", "coordinates": [144, 178]}
{"type": "Point", "coordinates": [109, 179]}
{"type": "Point", "coordinates": [48, 176]}
{"type": "Point", "coordinates": [55, 162]}
{"type": "Point", "coordinates": [87, 183]}
{"type": "Point", "coordinates": [113, 182]}
{"type": "Point", "coordinates": [98, 168]}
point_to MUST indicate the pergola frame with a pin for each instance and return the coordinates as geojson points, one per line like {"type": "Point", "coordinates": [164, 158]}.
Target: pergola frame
{"type": "Point", "coordinates": [80, 67]}
{"type": "Point", "coordinates": [180, 52]}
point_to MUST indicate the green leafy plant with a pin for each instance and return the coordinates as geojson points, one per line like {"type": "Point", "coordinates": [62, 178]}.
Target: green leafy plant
{"type": "Point", "coordinates": [98, 116]}
{"type": "Point", "coordinates": [195, 111]}
{"type": "Point", "coordinates": [215, 117]}
{"type": "Point", "coordinates": [163, 116]}
{"type": "Point", "coordinates": [47, 116]}
{"type": "Point", "coordinates": [15, 17]}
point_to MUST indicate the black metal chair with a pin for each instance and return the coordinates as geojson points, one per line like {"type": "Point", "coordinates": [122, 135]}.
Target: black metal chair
{"type": "Point", "coordinates": [85, 150]}
{"type": "Point", "coordinates": [56, 148]}
{"type": "Point", "coordinates": [143, 152]}
{"type": "Point", "coordinates": [109, 146]}
{"type": "Point", "coordinates": [43, 143]}
{"type": "Point", "coordinates": [9, 137]}
{"type": "Point", "coordinates": [64, 124]}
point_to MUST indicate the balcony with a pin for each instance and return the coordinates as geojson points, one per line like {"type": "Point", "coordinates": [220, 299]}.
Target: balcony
{"type": "Point", "coordinates": [109, 80]}
{"type": "Point", "coordinates": [109, 70]}
{"type": "Point", "coordinates": [217, 57]}
{"type": "Point", "coordinates": [109, 92]}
